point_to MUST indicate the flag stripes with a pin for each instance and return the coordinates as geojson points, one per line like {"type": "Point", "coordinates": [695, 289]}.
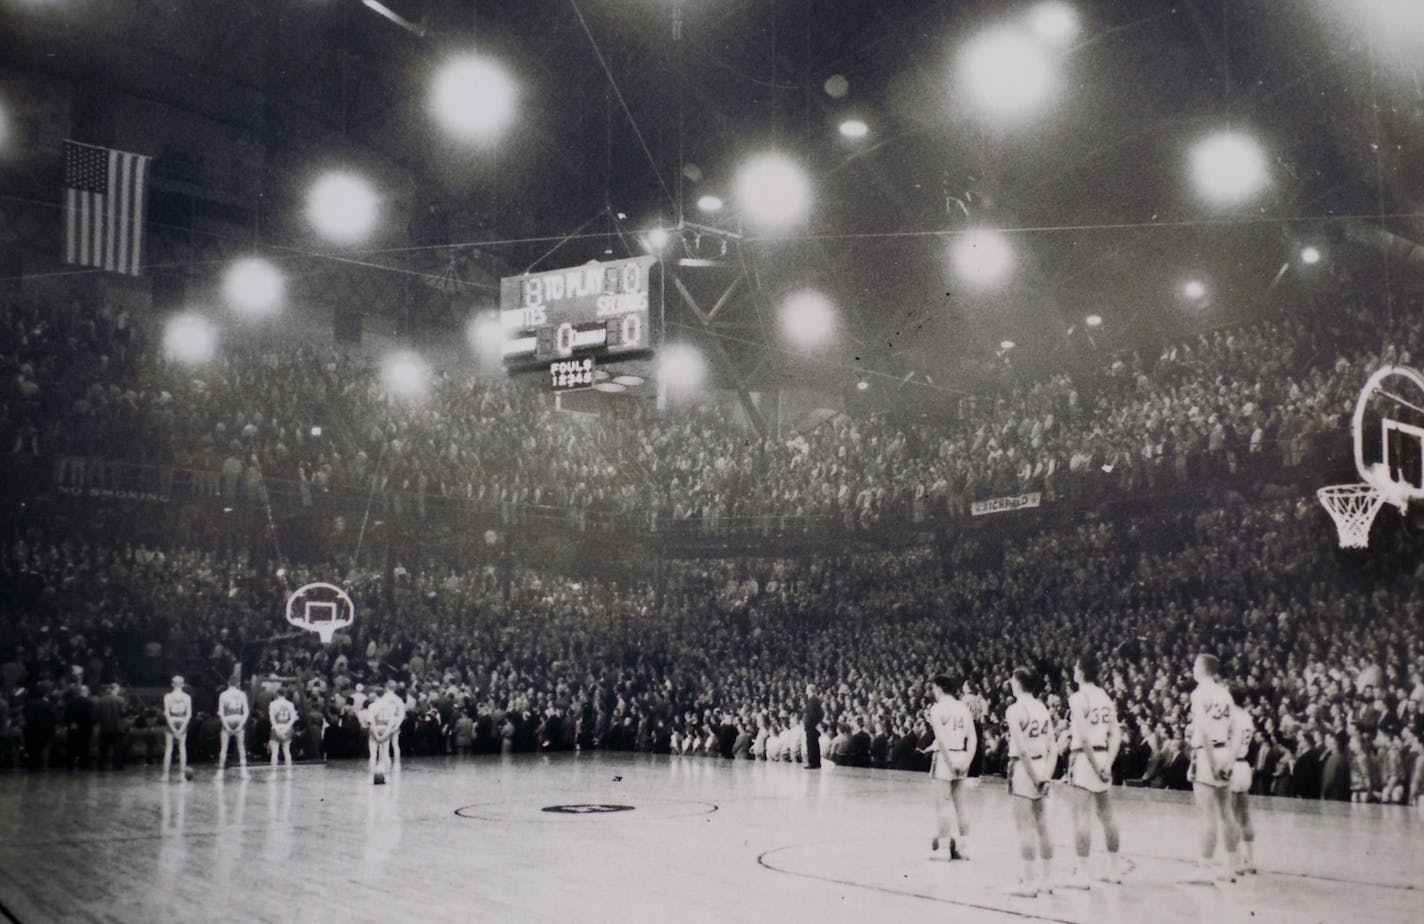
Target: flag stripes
{"type": "Point", "coordinates": [104, 207]}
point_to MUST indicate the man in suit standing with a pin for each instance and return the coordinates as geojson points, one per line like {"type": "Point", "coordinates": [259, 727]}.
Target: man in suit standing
{"type": "Point", "coordinates": [113, 741]}
{"type": "Point", "coordinates": [811, 719]}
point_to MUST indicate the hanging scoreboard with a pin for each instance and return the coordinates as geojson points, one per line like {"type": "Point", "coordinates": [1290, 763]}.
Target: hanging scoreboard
{"type": "Point", "coordinates": [595, 310]}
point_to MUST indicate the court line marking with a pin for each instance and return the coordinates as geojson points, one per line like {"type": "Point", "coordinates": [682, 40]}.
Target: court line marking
{"type": "Point", "coordinates": [710, 808]}
{"type": "Point", "coordinates": [1396, 886]}
{"type": "Point", "coordinates": [1025, 915]}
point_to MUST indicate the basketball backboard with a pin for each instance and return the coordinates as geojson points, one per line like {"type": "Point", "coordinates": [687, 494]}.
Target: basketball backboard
{"type": "Point", "coordinates": [1388, 433]}
{"type": "Point", "coordinates": [321, 608]}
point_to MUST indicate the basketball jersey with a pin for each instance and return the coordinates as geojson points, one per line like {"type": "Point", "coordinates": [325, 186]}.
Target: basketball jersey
{"type": "Point", "coordinates": [384, 715]}
{"type": "Point", "coordinates": [1245, 729]}
{"type": "Point", "coordinates": [177, 705]}
{"type": "Point", "coordinates": [951, 722]}
{"type": "Point", "coordinates": [1211, 714]}
{"type": "Point", "coordinates": [281, 712]}
{"type": "Point", "coordinates": [232, 704]}
{"type": "Point", "coordinates": [1094, 717]}
{"type": "Point", "coordinates": [1036, 725]}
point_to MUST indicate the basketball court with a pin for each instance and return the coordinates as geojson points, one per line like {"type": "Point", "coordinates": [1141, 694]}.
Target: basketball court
{"type": "Point", "coordinates": [611, 837]}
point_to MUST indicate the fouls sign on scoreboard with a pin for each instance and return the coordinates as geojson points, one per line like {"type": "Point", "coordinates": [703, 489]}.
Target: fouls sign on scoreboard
{"type": "Point", "coordinates": [598, 309]}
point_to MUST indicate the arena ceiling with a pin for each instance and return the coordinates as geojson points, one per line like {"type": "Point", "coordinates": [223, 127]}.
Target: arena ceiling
{"type": "Point", "coordinates": [1093, 190]}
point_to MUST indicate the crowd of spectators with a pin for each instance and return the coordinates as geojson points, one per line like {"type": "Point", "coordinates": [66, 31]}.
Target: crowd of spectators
{"type": "Point", "coordinates": [90, 386]}
{"type": "Point", "coordinates": [1330, 659]}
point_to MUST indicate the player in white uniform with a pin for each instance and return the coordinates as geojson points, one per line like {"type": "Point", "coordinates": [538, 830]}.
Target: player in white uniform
{"type": "Point", "coordinates": [1095, 737]}
{"type": "Point", "coordinates": [177, 713]}
{"type": "Point", "coordinates": [233, 712]}
{"type": "Point", "coordinates": [384, 717]}
{"type": "Point", "coordinates": [283, 716]}
{"type": "Point", "coordinates": [1213, 752]}
{"type": "Point", "coordinates": [401, 708]}
{"type": "Point", "coordinates": [1031, 759]}
{"type": "Point", "coordinates": [955, 742]}
{"type": "Point", "coordinates": [1243, 730]}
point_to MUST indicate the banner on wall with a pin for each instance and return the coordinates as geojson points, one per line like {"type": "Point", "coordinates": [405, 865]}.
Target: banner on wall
{"type": "Point", "coordinates": [1004, 504]}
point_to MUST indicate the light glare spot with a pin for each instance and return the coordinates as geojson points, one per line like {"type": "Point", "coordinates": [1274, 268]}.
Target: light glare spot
{"type": "Point", "coordinates": [342, 207]}
{"type": "Point", "coordinates": [773, 191]}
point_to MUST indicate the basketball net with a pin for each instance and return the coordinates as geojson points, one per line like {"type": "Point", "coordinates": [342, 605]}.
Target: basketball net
{"type": "Point", "coordinates": [1353, 508]}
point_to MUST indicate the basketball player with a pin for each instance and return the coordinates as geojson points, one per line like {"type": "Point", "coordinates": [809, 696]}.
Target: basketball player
{"type": "Point", "coordinates": [177, 713]}
{"type": "Point", "coordinates": [1243, 730]}
{"type": "Point", "coordinates": [384, 718]}
{"type": "Point", "coordinates": [401, 707]}
{"type": "Point", "coordinates": [234, 712]}
{"type": "Point", "coordinates": [1212, 756]}
{"type": "Point", "coordinates": [1095, 739]}
{"type": "Point", "coordinates": [954, 745]}
{"type": "Point", "coordinates": [283, 716]}
{"type": "Point", "coordinates": [1031, 760]}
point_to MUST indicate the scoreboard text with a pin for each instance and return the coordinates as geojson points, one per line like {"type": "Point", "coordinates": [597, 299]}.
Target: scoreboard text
{"type": "Point", "coordinates": [598, 309]}
{"type": "Point", "coordinates": [571, 374]}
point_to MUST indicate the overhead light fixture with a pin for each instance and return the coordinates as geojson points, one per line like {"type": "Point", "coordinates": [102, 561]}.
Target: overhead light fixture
{"type": "Point", "coordinates": [254, 286]}
{"type": "Point", "coordinates": [1006, 72]}
{"type": "Point", "coordinates": [1310, 256]}
{"type": "Point", "coordinates": [628, 381]}
{"type": "Point", "coordinates": [1094, 320]}
{"type": "Point", "coordinates": [474, 98]}
{"type": "Point", "coordinates": [612, 388]}
{"type": "Point", "coordinates": [189, 339]}
{"type": "Point", "coordinates": [681, 366]}
{"type": "Point", "coordinates": [854, 128]}
{"type": "Point", "coordinates": [1229, 168]}
{"type": "Point", "coordinates": [710, 203]}
{"type": "Point", "coordinates": [773, 191]}
{"type": "Point", "coordinates": [1007, 345]}
{"type": "Point", "coordinates": [982, 257]}
{"type": "Point", "coordinates": [808, 318]}
{"type": "Point", "coordinates": [343, 207]}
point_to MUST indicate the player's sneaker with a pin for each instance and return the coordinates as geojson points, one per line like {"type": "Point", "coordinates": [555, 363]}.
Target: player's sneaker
{"type": "Point", "coordinates": [379, 779]}
{"type": "Point", "coordinates": [956, 850]}
{"type": "Point", "coordinates": [937, 854]}
{"type": "Point", "coordinates": [1079, 881]}
{"type": "Point", "coordinates": [1024, 890]}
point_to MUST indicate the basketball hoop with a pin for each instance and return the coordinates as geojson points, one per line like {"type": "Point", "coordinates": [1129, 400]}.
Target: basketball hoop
{"type": "Point", "coordinates": [1353, 508]}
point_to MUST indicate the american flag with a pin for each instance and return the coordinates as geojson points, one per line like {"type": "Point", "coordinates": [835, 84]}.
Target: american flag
{"type": "Point", "coordinates": [103, 207]}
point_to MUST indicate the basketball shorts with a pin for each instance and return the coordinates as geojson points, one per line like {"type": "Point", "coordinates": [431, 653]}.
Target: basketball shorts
{"type": "Point", "coordinates": [1020, 783]}
{"type": "Point", "coordinates": [281, 734]}
{"type": "Point", "coordinates": [1201, 768]}
{"type": "Point", "coordinates": [1082, 774]}
{"type": "Point", "coordinates": [956, 767]}
{"type": "Point", "coordinates": [1241, 777]}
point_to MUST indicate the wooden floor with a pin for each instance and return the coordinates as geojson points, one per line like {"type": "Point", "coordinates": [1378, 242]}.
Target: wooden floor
{"type": "Point", "coordinates": [706, 840]}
